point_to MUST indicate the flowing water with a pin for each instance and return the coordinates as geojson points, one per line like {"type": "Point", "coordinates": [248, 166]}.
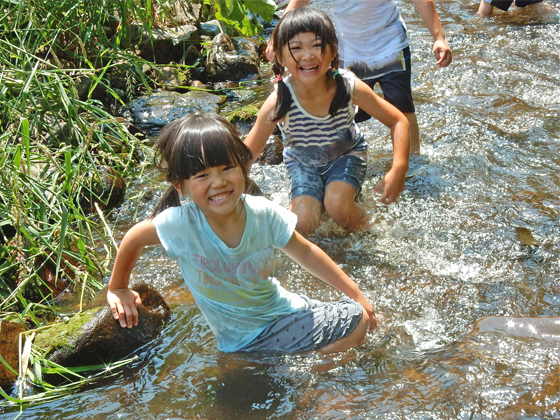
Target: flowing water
{"type": "Point", "coordinates": [465, 267]}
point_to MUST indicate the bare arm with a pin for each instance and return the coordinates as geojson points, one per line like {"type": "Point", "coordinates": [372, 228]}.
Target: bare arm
{"type": "Point", "coordinates": [263, 128]}
{"type": "Point", "coordinates": [317, 262]}
{"type": "Point", "coordinates": [428, 13]}
{"type": "Point", "coordinates": [392, 184]}
{"type": "Point", "coordinates": [122, 300]}
{"type": "Point", "coordinates": [297, 4]}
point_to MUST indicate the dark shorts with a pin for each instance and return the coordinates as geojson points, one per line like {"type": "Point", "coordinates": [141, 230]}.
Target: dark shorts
{"type": "Point", "coordinates": [312, 181]}
{"type": "Point", "coordinates": [308, 329]}
{"type": "Point", "coordinates": [505, 4]}
{"type": "Point", "coordinates": [396, 87]}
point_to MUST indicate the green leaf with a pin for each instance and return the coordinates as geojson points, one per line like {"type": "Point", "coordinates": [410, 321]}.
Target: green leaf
{"type": "Point", "coordinates": [263, 8]}
{"type": "Point", "coordinates": [17, 157]}
{"type": "Point", "coordinates": [25, 141]}
{"type": "Point", "coordinates": [68, 169]}
{"type": "Point", "coordinates": [63, 226]}
{"type": "Point", "coordinates": [7, 365]}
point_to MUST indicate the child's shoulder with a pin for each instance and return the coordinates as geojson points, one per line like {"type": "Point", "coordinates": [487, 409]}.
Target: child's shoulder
{"type": "Point", "coordinates": [348, 75]}
{"type": "Point", "coordinates": [263, 205]}
{"type": "Point", "coordinates": [257, 202]}
{"type": "Point", "coordinates": [176, 215]}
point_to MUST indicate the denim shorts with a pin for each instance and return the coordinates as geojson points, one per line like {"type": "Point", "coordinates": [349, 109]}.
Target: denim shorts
{"type": "Point", "coordinates": [396, 87]}
{"type": "Point", "coordinates": [308, 329]}
{"type": "Point", "coordinates": [312, 180]}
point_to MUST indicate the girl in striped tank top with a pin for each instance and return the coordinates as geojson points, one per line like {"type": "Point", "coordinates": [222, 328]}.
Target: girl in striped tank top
{"type": "Point", "coordinates": [314, 107]}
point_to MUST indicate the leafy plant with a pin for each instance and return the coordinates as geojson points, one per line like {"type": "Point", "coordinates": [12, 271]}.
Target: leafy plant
{"type": "Point", "coordinates": [243, 14]}
{"type": "Point", "coordinates": [55, 142]}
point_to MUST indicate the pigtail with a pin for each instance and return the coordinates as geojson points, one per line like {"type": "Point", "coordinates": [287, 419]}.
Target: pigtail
{"type": "Point", "coordinates": [169, 199]}
{"type": "Point", "coordinates": [284, 100]}
{"type": "Point", "coordinates": [343, 92]}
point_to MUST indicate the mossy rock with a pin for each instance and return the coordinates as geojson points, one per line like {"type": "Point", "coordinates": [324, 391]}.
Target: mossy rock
{"type": "Point", "coordinates": [93, 337]}
{"type": "Point", "coordinates": [244, 114]}
{"type": "Point", "coordinates": [61, 337]}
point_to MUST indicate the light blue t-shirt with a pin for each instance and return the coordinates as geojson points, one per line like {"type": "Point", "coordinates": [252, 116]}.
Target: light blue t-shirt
{"type": "Point", "coordinates": [233, 287]}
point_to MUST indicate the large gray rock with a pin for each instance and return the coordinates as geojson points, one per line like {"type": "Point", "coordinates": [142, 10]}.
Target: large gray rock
{"type": "Point", "coordinates": [167, 44]}
{"type": "Point", "coordinates": [162, 107]}
{"type": "Point", "coordinates": [233, 59]}
{"type": "Point", "coordinates": [94, 337]}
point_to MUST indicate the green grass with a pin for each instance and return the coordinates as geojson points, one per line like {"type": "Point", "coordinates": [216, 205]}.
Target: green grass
{"type": "Point", "coordinates": [55, 136]}
{"type": "Point", "coordinates": [54, 142]}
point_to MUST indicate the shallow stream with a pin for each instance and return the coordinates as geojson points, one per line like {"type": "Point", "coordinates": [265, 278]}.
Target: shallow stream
{"type": "Point", "coordinates": [476, 234]}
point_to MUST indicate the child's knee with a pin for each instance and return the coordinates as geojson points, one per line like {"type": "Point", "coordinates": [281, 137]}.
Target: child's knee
{"type": "Point", "coordinates": [340, 198]}
{"type": "Point", "coordinates": [307, 224]}
{"type": "Point", "coordinates": [308, 211]}
{"type": "Point", "coordinates": [346, 212]}
{"type": "Point", "coordinates": [341, 214]}
{"type": "Point", "coordinates": [361, 329]}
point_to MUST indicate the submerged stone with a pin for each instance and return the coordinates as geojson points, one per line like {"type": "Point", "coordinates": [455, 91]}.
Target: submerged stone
{"type": "Point", "coordinates": [232, 59]}
{"type": "Point", "coordinates": [539, 328]}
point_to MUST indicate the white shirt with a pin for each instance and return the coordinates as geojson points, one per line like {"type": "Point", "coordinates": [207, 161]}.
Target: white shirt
{"type": "Point", "coordinates": [369, 30]}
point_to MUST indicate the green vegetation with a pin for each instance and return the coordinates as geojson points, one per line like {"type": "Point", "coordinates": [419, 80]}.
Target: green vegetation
{"type": "Point", "coordinates": [62, 334]}
{"type": "Point", "coordinates": [243, 13]}
{"type": "Point", "coordinates": [67, 67]}
{"type": "Point", "coordinates": [245, 113]}
{"type": "Point", "coordinates": [54, 143]}
{"type": "Point", "coordinates": [65, 72]}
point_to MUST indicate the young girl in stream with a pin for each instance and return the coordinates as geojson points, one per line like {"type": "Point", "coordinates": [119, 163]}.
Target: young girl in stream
{"type": "Point", "coordinates": [224, 241]}
{"type": "Point", "coordinates": [314, 107]}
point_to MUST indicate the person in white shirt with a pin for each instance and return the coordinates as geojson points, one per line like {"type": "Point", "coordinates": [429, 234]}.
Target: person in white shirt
{"type": "Point", "coordinates": [374, 45]}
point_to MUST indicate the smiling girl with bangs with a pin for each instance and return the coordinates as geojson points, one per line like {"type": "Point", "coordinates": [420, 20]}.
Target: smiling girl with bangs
{"type": "Point", "coordinates": [225, 240]}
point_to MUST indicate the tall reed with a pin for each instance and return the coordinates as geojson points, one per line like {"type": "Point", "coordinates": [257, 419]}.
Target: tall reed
{"type": "Point", "coordinates": [54, 142]}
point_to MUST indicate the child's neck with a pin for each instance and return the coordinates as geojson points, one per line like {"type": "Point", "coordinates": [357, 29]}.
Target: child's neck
{"type": "Point", "coordinates": [229, 228]}
{"type": "Point", "coordinates": [316, 98]}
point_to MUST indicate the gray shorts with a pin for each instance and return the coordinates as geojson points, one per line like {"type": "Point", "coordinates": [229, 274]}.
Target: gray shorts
{"type": "Point", "coordinates": [312, 328]}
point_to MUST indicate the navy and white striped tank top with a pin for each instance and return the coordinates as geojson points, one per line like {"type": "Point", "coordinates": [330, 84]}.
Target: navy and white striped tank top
{"type": "Point", "coordinates": [319, 141]}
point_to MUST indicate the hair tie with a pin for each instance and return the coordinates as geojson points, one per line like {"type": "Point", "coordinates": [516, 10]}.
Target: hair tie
{"type": "Point", "coordinates": [278, 78]}
{"type": "Point", "coordinates": [336, 73]}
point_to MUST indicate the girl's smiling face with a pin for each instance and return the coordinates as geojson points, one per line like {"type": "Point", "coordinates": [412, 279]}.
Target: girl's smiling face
{"type": "Point", "coordinates": [216, 190]}
{"type": "Point", "coordinates": [305, 57]}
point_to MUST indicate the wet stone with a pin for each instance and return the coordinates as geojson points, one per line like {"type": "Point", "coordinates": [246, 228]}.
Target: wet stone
{"type": "Point", "coordinates": [9, 349]}
{"type": "Point", "coordinates": [94, 337]}
{"type": "Point", "coordinates": [160, 108]}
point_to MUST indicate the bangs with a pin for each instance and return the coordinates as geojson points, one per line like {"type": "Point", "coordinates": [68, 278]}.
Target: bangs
{"type": "Point", "coordinates": [297, 21]}
{"type": "Point", "coordinates": [190, 145]}
{"type": "Point", "coordinates": [201, 153]}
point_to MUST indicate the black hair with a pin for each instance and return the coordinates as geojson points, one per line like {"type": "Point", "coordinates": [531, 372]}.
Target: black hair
{"type": "Point", "coordinates": [193, 143]}
{"type": "Point", "coordinates": [296, 21]}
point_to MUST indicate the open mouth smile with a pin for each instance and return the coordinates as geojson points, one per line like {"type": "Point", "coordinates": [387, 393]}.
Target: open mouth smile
{"type": "Point", "coordinates": [308, 68]}
{"type": "Point", "coordinates": [220, 196]}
